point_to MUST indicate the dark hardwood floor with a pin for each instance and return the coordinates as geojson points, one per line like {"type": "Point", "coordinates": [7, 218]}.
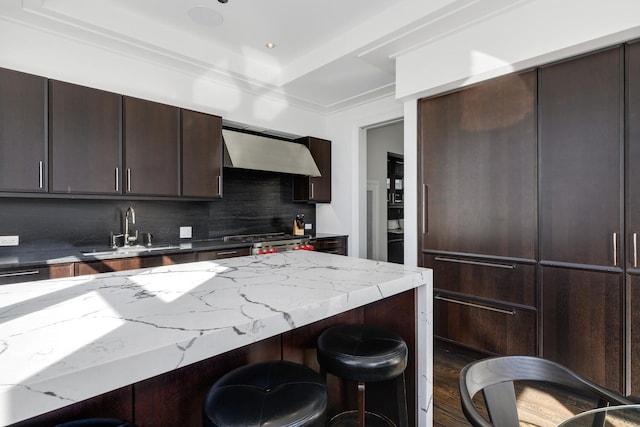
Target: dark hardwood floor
{"type": "Point", "coordinates": [537, 406]}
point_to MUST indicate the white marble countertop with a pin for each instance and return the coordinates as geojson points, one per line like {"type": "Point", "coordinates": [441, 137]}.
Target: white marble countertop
{"type": "Point", "coordinates": [66, 340]}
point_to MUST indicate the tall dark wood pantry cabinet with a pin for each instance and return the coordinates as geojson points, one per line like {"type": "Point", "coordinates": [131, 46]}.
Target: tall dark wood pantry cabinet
{"type": "Point", "coordinates": [478, 212]}
{"type": "Point", "coordinates": [580, 104]}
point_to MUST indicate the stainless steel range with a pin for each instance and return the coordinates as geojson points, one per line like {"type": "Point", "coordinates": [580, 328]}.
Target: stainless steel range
{"type": "Point", "coordinates": [269, 243]}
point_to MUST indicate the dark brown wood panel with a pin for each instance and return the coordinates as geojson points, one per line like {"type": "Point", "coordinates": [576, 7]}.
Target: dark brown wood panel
{"type": "Point", "coordinates": [176, 398]}
{"type": "Point", "coordinates": [316, 189]}
{"type": "Point", "coordinates": [152, 149]}
{"type": "Point", "coordinates": [201, 155]}
{"type": "Point", "coordinates": [632, 214]}
{"type": "Point", "coordinates": [583, 324]}
{"type": "Point", "coordinates": [226, 253]}
{"type": "Point", "coordinates": [485, 326]}
{"type": "Point", "coordinates": [84, 136]}
{"type": "Point", "coordinates": [107, 265]}
{"type": "Point", "coordinates": [477, 151]}
{"type": "Point", "coordinates": [22, 132]}
{"type": "Point", "coordinates": [580, 128]}
{"type": "Point", "coordinates": [334, 245]}
{"type": "Point", "coordinates": [41, 272]}
{"type": "Point", "coordinates": [498, 280]}
{"type": "Point", "coordinates": [633, 284]}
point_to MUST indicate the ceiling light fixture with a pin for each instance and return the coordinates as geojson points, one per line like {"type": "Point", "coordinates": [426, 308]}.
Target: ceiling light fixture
{"type": "Point", "coordinates": [270, 45]}
{"type": "Point", "coordinates": [223, 1]}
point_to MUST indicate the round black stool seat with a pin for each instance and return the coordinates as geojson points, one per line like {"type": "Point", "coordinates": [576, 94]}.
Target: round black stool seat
{"type": "Point", "coordinates": [362, 353]}
{"type": "Point", "coordinates": [365, 353]}
{"type": "Point", "coordinates": [277, 393]}
{"type": "Point", "coordinates": [97, 422]}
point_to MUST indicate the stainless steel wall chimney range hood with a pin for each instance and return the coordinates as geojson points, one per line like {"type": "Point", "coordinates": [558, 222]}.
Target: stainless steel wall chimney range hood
{"type": "Point", "coordinates": [249, 151]}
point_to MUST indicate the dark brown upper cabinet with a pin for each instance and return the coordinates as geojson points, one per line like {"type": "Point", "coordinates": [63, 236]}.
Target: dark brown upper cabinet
{"type": "Point", "coordinates": [22, 132]}
{"type": "Point", "coordinates": [201, 155]}
{"type": "Point", "coordinates": [84, 136]}
{"type": "Point", "coordinates": [151, 148]}
{"type": "Point", "coordinates": [478, 188]}
{"type": "Point", "coordinates": [315, 189]}
{"type": "Point", "coordinates": [581, 105]}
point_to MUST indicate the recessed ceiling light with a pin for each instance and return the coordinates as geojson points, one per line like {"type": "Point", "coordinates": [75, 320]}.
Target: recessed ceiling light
{"type": "Point", "coordinates": [205, 16]}
{"type": "Point", "coordinates": [270, 45]}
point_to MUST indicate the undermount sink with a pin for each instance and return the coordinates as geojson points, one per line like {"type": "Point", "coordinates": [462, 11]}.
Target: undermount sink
{"type": "Point", "coordinates": [130, 250]}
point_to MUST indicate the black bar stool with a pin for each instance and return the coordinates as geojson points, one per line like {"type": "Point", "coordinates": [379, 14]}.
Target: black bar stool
{"type": "Point", "coordinates": [364, 353]}
{"type": "Point", "coordinates": [277, 393]}
{"type": "Point", "coordinates": [97, 422]}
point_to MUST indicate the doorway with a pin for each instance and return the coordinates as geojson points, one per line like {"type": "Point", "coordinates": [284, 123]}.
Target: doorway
{"type": "Point", "coordinates": [381, 141]}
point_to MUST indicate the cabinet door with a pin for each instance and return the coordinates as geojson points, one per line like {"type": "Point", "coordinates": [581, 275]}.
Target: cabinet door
{"type": "Point", "coordinates": [582, 318]}
{"type": "Point", "coordinates": [22, 132]}
{"type": "Point", "coordinates": [633, 284]}
{"type": "Point", "coordinates": [315, 189]}
{"type": "Point", "coordinates": [478, 169]}
{"type": "Point", "coordinates": [633, 156]}
{"type": "Point", "coordinates": [84, 139]}
{"type": "Point", "coordinates": [224, 253]}
{"type": "Point", "coordinates": [201, 155]}
{"type": "Point", "coordinates": [152, 149]}
{"type": "Point", "coordinates": [42, 272]}
{"type": "Point", "coordinates": [335, 245]}
{"type": "Point", "coordinates": [580, 128]}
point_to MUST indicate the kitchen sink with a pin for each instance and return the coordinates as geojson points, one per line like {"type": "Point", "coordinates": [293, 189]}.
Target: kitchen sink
{"type": "Point", "coordinates": [130, 250]}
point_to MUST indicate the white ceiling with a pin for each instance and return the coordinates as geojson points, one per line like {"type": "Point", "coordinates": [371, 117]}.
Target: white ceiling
{"type": "Point", "coordinates": [329, 54]}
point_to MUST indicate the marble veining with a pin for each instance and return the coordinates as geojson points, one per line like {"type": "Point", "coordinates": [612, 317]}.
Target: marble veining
{"type": "Point", "coordinates": [65, 340]}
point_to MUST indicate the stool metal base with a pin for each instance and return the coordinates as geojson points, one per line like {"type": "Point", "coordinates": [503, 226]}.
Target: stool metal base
{"type": "Point", "coordinates": [350, 419]}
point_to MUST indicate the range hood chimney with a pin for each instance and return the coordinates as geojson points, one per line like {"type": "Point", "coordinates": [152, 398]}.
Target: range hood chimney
{"type": "Point", "coordinates": [249, 151]}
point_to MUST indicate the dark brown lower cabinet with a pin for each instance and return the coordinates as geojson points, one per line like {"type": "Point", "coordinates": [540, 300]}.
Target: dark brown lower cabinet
{"type": "Point", "coordinates": [487, 305]}
{"type": "Point", "coordinates": [42, 272]}
{"type": "Point", "coordinates": [633, 286]}
{"type": "Point", "coordinates": [583, 323]}
{"type": "Point", "coordinates": [332, 245]}
{"type": "Point", "coordinates": [120, 264]}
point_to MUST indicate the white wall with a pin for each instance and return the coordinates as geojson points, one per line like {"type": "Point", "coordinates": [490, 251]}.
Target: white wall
{"type": "Point", "coordinates": [81, 62]}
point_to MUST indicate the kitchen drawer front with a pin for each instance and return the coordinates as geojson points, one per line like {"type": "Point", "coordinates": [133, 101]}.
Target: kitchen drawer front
{"type": "Point", "coordinates": [498, 280]}
{"type": "Point", "coordinates": [18, 275]}
{"type": "Point", "coordinates": [484, 326]}
{"type": "Point", "coordinates": [333, 245]}
{"type": "Point", "coordinates": [121, 264]}
{"type": "Point", "coordinates": [223, 253]}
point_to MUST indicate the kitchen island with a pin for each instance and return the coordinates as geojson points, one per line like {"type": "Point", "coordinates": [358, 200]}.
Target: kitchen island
{"type": "Point", "coordinates": [66, 340]}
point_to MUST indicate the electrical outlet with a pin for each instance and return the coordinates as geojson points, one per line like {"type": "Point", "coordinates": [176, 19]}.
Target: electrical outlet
{"type": "Point", "coordinates": [185, 232]}
{"type": "Point", "coordinates": [308, 226]}
{"type": "Point", "coordinates": [9, 240]}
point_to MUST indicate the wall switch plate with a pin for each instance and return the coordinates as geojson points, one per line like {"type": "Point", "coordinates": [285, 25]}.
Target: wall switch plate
{"type": "Point", "coordinates": [9, 240]}
{"type": "Point", "coordinates": [185, 232]}
{"type": "Point", "coordinates": [308, 226]}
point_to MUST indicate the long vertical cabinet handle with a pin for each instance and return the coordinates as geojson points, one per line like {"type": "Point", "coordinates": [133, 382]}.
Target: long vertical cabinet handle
{"type": "Point", "coordinates": [41, 172]}
{"type": "Point", "coordinates": [117, 180]}
{"type": "Point", "coordinates": [219, 185]}
{"type": "Point", "coordinates": [635, 250]}
{"type": "Point", "coordinates": [129, 179]}
{"type": "Point", "coordinates": [312, 191]}
{"type": "Point", "coordinates": [425, 193]}
{"type": "Point", "coordinates": [615, 249]}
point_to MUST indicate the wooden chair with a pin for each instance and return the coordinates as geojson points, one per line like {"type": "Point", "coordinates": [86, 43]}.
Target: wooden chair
{"type": "Point", "coordinates": [495, 376]}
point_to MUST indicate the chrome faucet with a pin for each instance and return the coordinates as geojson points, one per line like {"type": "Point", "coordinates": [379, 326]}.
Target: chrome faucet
{"type": "Point", "coordinates": [127, 238]}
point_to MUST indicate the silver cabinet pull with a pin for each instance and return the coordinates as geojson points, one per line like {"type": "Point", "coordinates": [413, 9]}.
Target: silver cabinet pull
{"type": "Point", "coordinates": [480, 263]}
{"type": "Point", "coordinates": [117, 179]}
{"type": "Point", "coordinates": [128, 179]}
{"type": "Point", "coordinates": [226, 253]}
{"type": "Point", "coordinates": [511, 312]}
{"type": "Point", "coordinates": [41, 172]}
{"type": "Point", "coordinates": [312, 191]}
{"type": "Point", "coordinates": [425, 192]}
{"type": "Point", "coordinates": [20, 273]}
{"type": "Point", "coordinates": [615, 249]}
{"type": "Point", "coordinates": [219, 185]}
{"type": "Point", "coordinates": [635, 250]}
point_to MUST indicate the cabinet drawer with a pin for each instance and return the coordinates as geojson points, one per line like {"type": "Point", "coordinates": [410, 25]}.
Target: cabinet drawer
{"type": "Point", "coordinates": [333, 245]}
{"type": "Point", "coordinates": [483, 326]}
{"type": "Point", "coordinates": [121, 264]}
{"type": "Point", "coordinates": [223, 253]}
{"type": "Point", "coordinates": [18, 275]}
{"type": "Point", "coordinates": [498, 280]}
